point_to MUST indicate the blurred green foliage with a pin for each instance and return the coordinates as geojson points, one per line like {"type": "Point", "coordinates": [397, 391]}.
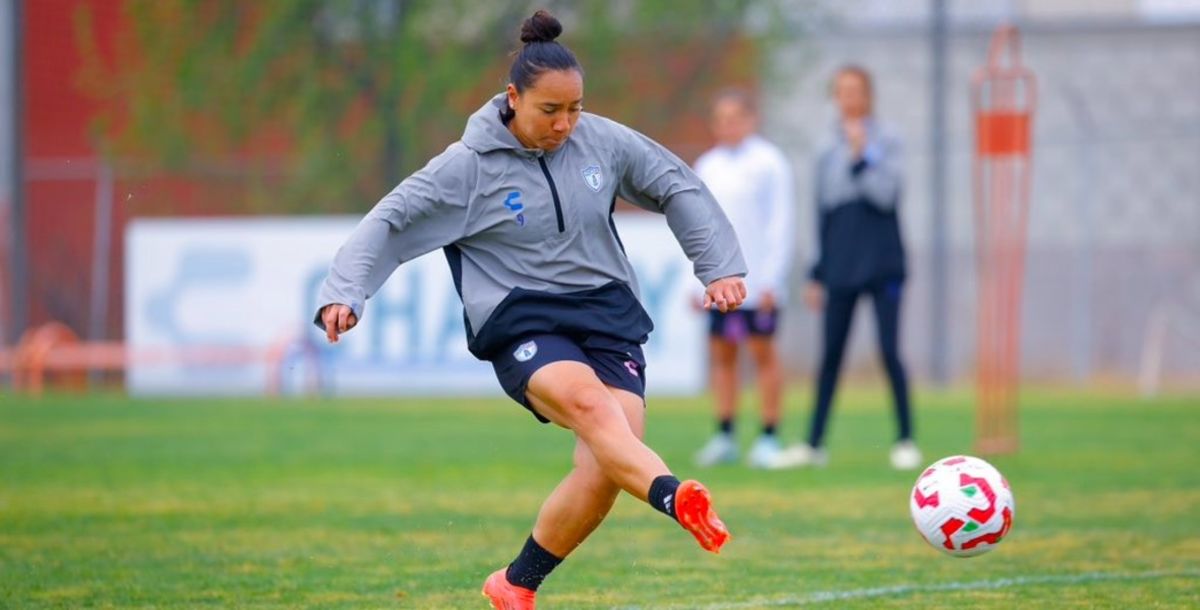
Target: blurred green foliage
{"type": "Point", "coordinates": [324, 105]}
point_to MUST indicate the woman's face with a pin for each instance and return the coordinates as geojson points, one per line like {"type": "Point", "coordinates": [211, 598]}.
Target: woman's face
{"type": "Point", "coordinates": [548, 110]}
{"type": "Point", "coordinates": [731, 122]}
{"type": "Point", "coordinates": [851, 95]}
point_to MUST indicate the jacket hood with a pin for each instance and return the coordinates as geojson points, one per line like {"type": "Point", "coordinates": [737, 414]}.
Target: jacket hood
{"type": "Point", "coordinates": [485, 132]}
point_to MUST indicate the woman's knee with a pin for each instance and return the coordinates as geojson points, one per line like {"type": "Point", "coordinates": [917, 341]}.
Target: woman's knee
{"type": "Point", "coordinates": [589, 406]}
{"type": "Point", "coordinates": [723, 352]}
{"type": "Point", "coordinates": [762, 350]}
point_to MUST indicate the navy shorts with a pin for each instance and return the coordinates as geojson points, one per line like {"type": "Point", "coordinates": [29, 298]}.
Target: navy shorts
{"type": "Point", "coordinates": [738, 324]}
{"type": "Point", "coordinates": [616, 362]}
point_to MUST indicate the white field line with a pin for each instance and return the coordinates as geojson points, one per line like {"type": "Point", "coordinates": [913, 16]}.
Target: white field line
{"type": "Point", "coordinates": [821, 597]}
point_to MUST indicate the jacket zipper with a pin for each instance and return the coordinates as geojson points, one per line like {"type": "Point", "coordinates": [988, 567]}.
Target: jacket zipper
{"type": "Point", "coordinates": [554, 193]}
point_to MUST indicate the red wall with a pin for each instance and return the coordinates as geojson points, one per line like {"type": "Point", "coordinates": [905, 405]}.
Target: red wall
{"type": "Point", "coordinates": [60, 187]}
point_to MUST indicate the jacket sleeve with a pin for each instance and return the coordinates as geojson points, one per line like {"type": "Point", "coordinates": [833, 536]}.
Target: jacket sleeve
{"type": "Point", "coordinates": [427, 211]}
{"type": "Point", "coordinates": [654, 179]}
{"type": "Point", "coordinates": [817, 249]}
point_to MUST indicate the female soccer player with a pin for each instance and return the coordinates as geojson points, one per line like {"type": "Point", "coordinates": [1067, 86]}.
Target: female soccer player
{"type": "Point", "coordinates": [522, 207]}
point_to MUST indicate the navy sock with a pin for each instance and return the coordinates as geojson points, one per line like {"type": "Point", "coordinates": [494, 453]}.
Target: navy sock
{"type": "Point", "coordinates": [532, 566]}
{"type": "Point", "coordinates": [725, 425]}
{"type": "Point", "coordinates": [662, 494]}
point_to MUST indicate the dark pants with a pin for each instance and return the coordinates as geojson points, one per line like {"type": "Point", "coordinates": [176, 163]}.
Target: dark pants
{"type": "Point", "coordinates": [839, 313]}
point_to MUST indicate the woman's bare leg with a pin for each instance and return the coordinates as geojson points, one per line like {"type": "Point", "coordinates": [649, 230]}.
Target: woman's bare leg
{"type": "Point", "coordinates": [581, 501]}
{"type": "Point", "coordinates": [609, 456]}
{"type": "Point", "coordinates": [569, 394]}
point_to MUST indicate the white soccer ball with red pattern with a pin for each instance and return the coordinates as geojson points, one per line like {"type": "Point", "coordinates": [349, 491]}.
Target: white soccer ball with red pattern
{"type": "Point", "coordinates": [962, 505]}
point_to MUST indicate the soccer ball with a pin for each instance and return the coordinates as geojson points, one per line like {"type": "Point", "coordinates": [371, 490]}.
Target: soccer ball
{"type": "Point", "coordinates": [962, 506]}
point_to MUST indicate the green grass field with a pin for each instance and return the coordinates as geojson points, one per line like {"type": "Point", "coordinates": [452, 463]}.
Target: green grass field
{"type": "Point", "coordinates": [109, 502]}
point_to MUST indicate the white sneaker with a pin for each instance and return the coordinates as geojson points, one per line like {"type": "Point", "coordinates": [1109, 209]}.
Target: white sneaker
{"type": "Point", "coordinates": [720, 450]}
{"type": "Point", "coordinates": [799, 456]}
{"type": "Point", "coordinates": [906, 456]}
{"type": "Point", "coordinates": [764, 452]}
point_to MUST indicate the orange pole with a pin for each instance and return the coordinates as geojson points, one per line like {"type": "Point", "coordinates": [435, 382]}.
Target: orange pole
{"type": "Point", "coordinates": [1003, 100]}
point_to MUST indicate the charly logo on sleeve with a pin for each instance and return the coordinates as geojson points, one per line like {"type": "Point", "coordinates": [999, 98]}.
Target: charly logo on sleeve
{"type": "Point", "coordinates": [592, 177]}
{"type": "Point", "coordinates": [513, 203]}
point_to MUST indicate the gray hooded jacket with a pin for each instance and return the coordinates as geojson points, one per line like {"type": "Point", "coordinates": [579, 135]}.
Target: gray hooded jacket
{"type": "Point", "coordinates": [529, 234]}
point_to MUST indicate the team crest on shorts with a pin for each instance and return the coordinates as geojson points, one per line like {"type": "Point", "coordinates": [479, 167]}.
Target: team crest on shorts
{"type": "Point", "coordinates": [526, 351]}
{"type": "Point", "coordinates": [593, 177]}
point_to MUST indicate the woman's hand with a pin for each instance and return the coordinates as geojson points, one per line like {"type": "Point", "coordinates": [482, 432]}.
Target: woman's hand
{"type": "Point", "coordinates": [338, 319]}
{"type": "Point", "coordinates": [814, 296]}
{"type": "Point", "coordinates": [726, 294]}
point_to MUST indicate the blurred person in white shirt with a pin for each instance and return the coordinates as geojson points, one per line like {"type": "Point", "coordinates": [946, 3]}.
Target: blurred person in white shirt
{"type": "Point", "coordinates": [752, 181]}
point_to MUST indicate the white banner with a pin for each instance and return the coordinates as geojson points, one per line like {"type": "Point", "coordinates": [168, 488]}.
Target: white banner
{"type": "Point", "coordinates": [197, 284]}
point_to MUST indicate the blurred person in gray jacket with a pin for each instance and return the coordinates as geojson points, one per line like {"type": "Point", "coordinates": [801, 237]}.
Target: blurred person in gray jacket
{"type": "Point", "coordinates": [522, 207]}
{"type": "Point", "coordinates": [859, 184]}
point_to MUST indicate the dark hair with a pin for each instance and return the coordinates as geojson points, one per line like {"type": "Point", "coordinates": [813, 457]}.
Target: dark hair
{"type": "Point", "coordinates": [539, 54]}
{"type": "Point", "coordinates": [739, 96]}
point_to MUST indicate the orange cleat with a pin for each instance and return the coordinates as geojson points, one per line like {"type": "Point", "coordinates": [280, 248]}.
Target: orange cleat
{"type": "Point", "coordinates": [505, 595]}
{"type": "Point", "coordinates": [693, 508]}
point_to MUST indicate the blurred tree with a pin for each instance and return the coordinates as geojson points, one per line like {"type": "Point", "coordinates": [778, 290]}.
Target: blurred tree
{"type": "Point", "coordinates": [323, 105]}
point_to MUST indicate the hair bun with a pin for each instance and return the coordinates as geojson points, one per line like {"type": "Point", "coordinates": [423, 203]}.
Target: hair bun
{"type": "Point", "coordinates": [541, 27]}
